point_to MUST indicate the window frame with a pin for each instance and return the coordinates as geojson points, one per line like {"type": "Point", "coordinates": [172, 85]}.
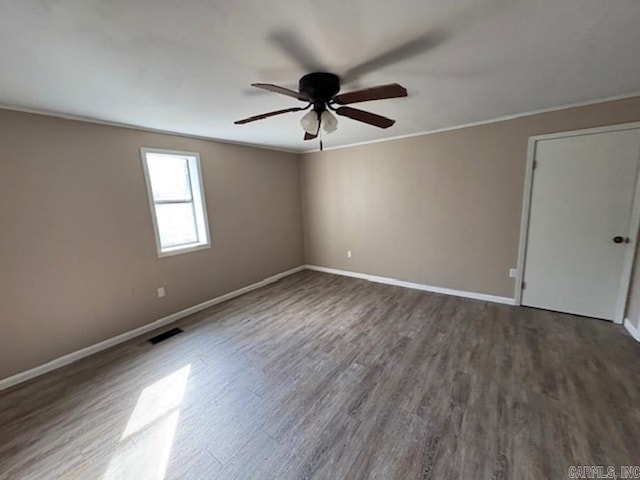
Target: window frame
{"type": "Point", "coordinates": [197, 200]}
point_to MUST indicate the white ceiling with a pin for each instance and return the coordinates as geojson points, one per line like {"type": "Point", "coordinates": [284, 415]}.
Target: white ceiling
{"type": "Point", "coordinates": [186, 66]}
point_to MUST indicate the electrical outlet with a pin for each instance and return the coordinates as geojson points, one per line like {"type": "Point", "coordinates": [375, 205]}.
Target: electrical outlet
{"type": "Point", "coordinates": [348, 253]}
{"type": "Point", "coordinates": [513, 272]}
{"type": "Point", "coordinates": [161, 292]}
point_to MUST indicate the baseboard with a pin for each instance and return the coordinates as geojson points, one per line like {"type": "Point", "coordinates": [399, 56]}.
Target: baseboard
{"type": "Point", "coordinates": [111, 342]}
{"type": "Point", "coordinates": [416, 286]}
{"type": "Point", "coordinates": [633, 330]}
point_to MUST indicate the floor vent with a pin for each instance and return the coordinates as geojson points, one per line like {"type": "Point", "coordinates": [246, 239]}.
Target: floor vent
{"type": "Point", "coordinates": [165, 335]}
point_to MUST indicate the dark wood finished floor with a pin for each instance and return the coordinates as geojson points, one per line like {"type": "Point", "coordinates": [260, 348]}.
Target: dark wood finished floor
{"type": "Point", "coordinates": [326, 377]}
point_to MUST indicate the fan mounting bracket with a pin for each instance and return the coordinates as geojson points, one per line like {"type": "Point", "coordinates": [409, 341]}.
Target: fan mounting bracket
{"type": "Point", "coordinates": [320, 87]}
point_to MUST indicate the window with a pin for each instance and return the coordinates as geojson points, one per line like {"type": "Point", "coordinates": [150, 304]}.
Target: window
{"type": "Point", "coordinates": [177, 203]}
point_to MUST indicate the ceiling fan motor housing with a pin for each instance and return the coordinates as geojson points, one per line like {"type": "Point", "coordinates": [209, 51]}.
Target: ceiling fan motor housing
{"type": "Point", "coordinates": [320, 87]}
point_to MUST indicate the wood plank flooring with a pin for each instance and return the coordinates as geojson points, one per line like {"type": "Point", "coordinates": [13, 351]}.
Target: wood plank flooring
{"type": "Point", "coordinates": [325, 377]}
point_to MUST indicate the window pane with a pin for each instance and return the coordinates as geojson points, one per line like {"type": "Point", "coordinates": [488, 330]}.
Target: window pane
{"type": "Point", "coordinates": [176, 224]}
{"type": "Point", "coordinates": [169, 176]}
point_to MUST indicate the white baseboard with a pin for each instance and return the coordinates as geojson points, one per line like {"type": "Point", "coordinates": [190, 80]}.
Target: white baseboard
{"type": "Point", "coordinates": [85, 352]}
{"type": "Point", "coordinates": [111, 342]}
{"type": "Point", "coordinates": [416, 286]}
{"type": "Point", "coordinates": [633, 330]}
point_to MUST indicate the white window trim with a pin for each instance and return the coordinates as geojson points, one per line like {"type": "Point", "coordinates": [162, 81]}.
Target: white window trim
{"type": "Point", "coordinates": [197, 191]}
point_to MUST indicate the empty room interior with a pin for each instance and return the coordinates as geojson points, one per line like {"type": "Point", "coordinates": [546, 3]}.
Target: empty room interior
{"type": "Point", "coordinates": [319, 240]}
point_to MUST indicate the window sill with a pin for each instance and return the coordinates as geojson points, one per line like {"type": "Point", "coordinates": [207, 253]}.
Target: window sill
{"type": "Point", "coordinates": [183, 249]}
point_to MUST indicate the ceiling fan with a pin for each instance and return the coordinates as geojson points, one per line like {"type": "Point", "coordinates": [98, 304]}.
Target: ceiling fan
{"type": "Point", "coordinates": [320, 91]}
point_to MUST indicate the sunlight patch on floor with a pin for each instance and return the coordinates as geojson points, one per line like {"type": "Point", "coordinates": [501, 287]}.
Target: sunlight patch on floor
{"type": "Point", "coordinates": [145, 447]}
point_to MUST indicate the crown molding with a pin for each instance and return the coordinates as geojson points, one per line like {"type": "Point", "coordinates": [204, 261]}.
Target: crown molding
{"type": "Point", "coordinates": [98, 121]}
{"type": "Point", "coordinates": [502, 118]}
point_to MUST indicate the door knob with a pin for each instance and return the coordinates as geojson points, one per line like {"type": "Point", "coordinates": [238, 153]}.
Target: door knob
{"type": "Point", "coordinates": [619, 239]}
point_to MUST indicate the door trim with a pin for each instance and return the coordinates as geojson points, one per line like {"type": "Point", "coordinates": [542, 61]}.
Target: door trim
{"type": "Point", "coordinates": [526, 210]}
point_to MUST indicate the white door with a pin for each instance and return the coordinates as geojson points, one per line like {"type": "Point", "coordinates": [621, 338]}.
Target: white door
{"type": "Point", "coordinates": [581, 200]}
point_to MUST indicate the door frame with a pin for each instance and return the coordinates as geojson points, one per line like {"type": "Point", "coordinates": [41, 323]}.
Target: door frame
{"type": "Point", "coordinates": [629, 258]}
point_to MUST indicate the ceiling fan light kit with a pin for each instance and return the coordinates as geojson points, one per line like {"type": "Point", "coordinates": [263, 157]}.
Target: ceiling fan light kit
{"type": "Point", "coordinates": [320, 90]}
{"type": "Point", "coordinates": [310, 122]}
{"type": "Point", "coordinates": [329, 122]}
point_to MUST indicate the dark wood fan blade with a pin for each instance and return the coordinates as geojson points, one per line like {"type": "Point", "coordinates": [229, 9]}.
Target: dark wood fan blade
{"type": "Point", "coordinates": [281, 90]}
{"type": "Point", "coordinates": [267, 115]}
{"type": "Point", "coordinates": [366, 117]}
{"type": "Point", "coordinates": [393, 90]}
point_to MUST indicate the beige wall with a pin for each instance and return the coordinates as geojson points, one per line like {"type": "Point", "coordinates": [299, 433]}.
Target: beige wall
{"type": "Point", "coordinates": [441, 209]}
{"type": "Point", "coordinates": [78, 260]}
{"type": "Point", "coordinates": [77, 250]}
